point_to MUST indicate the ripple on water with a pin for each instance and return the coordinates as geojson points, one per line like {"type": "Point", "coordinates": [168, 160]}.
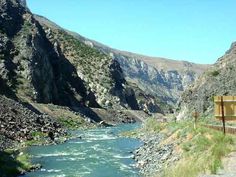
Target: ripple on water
{"type": "Point", "coordinates": [100, 153]}
{"type": "Point", "coordinates": [59, 154]}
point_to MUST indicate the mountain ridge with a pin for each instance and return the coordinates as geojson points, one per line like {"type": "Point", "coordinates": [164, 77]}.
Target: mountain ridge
{"type": "Point", "coordinates": [107, 47]}
{"type": "Point", "coordinates": [158, 73]}
{"type": "Point", "coordinates": [219, 79]}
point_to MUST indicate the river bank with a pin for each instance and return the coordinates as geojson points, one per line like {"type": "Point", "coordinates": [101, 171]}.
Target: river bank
{"type": "Point", "coordinates": [177, 149]}
{"type": "Point", "coordinates": [24, 125]}
{"type": "Point", "coordinates": [20, 126]}
{"type": "Point", "coordinates": [154, 156]}
{"type": "Point", "coordinates": [158, 150]}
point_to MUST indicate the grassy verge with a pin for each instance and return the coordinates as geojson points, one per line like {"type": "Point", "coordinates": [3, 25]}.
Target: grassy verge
{"type": "Point", "coordinates": [202, 149]}
{"type": "Point", "coordinates": [13, 163]}
{"type": "Point", "coordinates": [72, 123]}
{"type": "Point", "coordinates": [150, 126]}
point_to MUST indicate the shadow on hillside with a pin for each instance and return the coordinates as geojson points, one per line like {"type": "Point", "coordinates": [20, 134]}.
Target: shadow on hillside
{"type": "Point", "coordinates": [5, 90]}
{"type": "Point", "coordinates": [89, 113]}
{"type": "Point", "coordinates": [9, 166]}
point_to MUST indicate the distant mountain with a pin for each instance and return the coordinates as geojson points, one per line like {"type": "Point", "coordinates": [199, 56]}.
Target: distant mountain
{"type": "Point", "coordinates": [219, 79]}
{"type": "Point", "coordinates": [156, 81]}
{"type": "Point", "coordinates": [164, 78]}
{"type": "Point", "coordinates": [45, 63]}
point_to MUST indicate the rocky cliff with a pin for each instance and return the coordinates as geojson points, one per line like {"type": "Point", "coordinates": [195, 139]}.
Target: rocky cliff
{"type": "Point", "coordinates": [157, 82]}
{"type": "Point", "coordinates": [48, 65]}
{"type": "Point", "coordinates": [161, 77]}
{"type": "Point", "coordinates": [100, 74]}
{"type": "Point", "coordinates": [219, 79]}
{"type": "Point", "coordinates": [41, 62]}
{"type": "Point", "coordinates": [161, 80]}
{"type": "Point", "coordinates": [30, 65]}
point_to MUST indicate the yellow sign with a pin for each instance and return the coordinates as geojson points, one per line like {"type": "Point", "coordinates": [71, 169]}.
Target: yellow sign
{"type": "Point", "coordinates": [229, 107]}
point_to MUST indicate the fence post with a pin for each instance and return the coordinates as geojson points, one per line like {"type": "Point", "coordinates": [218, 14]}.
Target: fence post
{"type": "Point", "coordinates": [195, 115]}
{"type": "Point", "coordinates": [223, 114]}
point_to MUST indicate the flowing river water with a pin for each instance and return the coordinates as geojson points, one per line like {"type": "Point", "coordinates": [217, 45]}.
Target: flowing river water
{"type": "Point", "coordinates": [99, 152]}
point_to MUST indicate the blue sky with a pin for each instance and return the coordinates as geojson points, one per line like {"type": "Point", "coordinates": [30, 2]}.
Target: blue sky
{"type": "Point", "coordinates": [194, 30]}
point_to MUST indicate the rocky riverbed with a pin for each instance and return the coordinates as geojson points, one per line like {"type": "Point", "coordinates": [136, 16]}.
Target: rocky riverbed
{"type": "Point", "coordinates": [19, 123]}
{"type": "Point", "coordinates": [23, 124]}
{"type": "Point", "coordinates": [155, 154]}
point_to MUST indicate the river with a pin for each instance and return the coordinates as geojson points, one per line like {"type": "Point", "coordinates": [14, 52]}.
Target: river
{"type": "Point", "coordinates": [99, 152]}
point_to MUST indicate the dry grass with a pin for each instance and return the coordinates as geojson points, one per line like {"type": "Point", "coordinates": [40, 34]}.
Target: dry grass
{"type": "Point", "coordinates": [203, 150]}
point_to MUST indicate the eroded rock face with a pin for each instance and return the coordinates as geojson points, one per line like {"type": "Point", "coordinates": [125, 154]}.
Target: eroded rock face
{"type": "Point", "coordinates": [159, 78]}
{"type": "Point", "coordinates": [220, 79]}
{"type": "Point", "coordinates": [18, 123]}
{"type": "Point", "coordinates": [102, 75]}
{"type": "Point", "coordinates": [32, 66]}
{"type": "Point", "coordinates": [23, 3]}
{"type": "Point", "coordinates": [161, 82]}
{"type": "Point", "coordinates": [166, 83]}
{"type": "Point", "coordinates": [11, 18]}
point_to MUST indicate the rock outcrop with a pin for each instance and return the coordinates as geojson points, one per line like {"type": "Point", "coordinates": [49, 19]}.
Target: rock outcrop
{"type": "Point", "coordinates": [157, 82]}
{"type": "Point", "coordinates": [48, 65]}
{"type": "Point", "coordinates": [217, 80]}
{"type": "Point", "coordinates": [41, 62]}
{"type": "Point", "coordinates": [158, 78]}
{"type": "Point", "coordinates": [33, 67]}
{"type": "Point", "coordinates": [102, 75]}
{"type": "Point", "coordinates": [18, 123]}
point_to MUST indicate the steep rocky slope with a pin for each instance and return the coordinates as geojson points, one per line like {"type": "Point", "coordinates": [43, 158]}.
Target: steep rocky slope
{"type": "Point", "coordinates": [157, 82]}
{"type": "Point", "coordinates": [161, 77]}
{"type": "Point", "coordinates": [100, 74]}
{"type": "Point", "coordinates": [30, 66]}
{"type": "Point", "coordinates": [18, 123]}
{"type": "Point", "coordinates": [51, 66]}
{"type": "Point", "coordinates": [217, 80]}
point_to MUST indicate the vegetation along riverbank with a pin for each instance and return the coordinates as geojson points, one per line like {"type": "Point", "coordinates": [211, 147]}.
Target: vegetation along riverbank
{"type": "Point", "coordinates": [177, 149]}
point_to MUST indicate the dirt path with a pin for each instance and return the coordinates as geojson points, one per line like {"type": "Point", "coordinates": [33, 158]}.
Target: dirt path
{"type": "Point", "coordinates": [229, 164]}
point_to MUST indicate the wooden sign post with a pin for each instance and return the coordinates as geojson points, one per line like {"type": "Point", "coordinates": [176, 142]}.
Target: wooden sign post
{"type": "Point", "coordinates": [195, 115]}
{"type": "Point", "coordinates": [222, 113]}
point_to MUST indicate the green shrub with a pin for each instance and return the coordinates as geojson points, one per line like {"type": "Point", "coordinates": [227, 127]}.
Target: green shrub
{"type": "Point", "coordinates": [38, 134]}
{"type": "Point", "coordinates": [215, 73]}
{"type": "Point", "coordinates": [70, 123]}
{"type": "Point", "coordinates": [152, 125]}
{"type": "Point", "coordinates": [12, 163]}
